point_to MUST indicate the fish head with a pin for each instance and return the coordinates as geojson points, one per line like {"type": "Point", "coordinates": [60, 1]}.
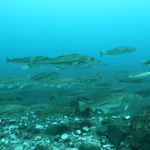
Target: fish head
{"type": "Point", "coordinates": [132, 49]}
{"type": "Point", "coordinates": [19, 98]}
{"type": "Point", "coordinates": [93, 60]}
{"type": "Point", "coordinates": [132, 97]}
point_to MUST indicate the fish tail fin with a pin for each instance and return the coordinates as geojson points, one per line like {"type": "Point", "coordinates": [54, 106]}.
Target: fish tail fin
{"type": "Point", "coordinates": [130, 76]}
{"type": "Point", "coordinates": [118, 81]}
{"type": "Point", "coordinates": [143, 63]}
{"type": "Point", "coordinates": [102, 53]}
{"type": "Point", "coordinates": [7, 60]}
{"type": "Point", "coordinates": [105, 90]}
{"type": "Point", "coordinates": [82, 106]}
{"type": "Point", "coordinates": [32, 61]}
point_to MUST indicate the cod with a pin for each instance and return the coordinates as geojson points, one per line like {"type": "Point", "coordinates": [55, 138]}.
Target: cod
{"type": "Point", "coordinates": [118, 51]}
{"type": "Point", "coordinates": [65, 61]}
{"type": "Point", "coordinates": [110, 102]}
{"type": "Point", "coordinates": [145, 63]}
{"type": "Point", "coordinates": [141, 75]}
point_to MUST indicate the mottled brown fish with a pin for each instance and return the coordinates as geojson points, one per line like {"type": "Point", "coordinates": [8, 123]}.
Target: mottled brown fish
{"type": "Point", "coordinates": [145, 63]}
{"type": "Point", "coordinates": [44, 76]}
{"type": "Point", "coordinates": [118, 51]}
{"type": "Point", "coordinates": [65, 61]}
{"type": "Point", "coordinates": [110, 102]}
{"type": "Point", "coordinates": [10, 97]}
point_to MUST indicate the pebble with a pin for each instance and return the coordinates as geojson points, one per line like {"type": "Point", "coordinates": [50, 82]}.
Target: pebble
{"type": "Point", "coordinates": [78, 132]}
{"type": "Point", "coordinates": [65, 137]}
{"type": "Point", "coordinates": [39, 126]}
{"type": "Point", "coordinates": [126, 117]}
{"type": "Point", "coordinates": [38, 138]}
{"type": "Point", "coordinates": [85, 128]}
{"type": "Point", "coordinates": [107, 146]}
{"type": "Point", "coordinates": [19, 147]}
{"type": "Point", "coordinates": [13, 127]}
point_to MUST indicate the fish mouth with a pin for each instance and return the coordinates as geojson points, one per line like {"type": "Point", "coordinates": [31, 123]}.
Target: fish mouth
{"type": "Point", "coordinates": [141, 98]}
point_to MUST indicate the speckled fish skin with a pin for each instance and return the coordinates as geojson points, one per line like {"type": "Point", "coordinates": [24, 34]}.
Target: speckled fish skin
{"type": "Point", "coordinates": [118, 51]}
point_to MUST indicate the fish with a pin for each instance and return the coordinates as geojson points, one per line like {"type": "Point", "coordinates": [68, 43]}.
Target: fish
{"type": "Point", "coordinates": [145, 63]}
{"type": "Point", "coordinates": [144, 92]}
{"type": "Point", "coordinates": [9, 110]}
{"type": "Point", "coordinates": [116, 89]}
{"type": "Point", "coordinates": [141, 75]}
{"type": "Point", "coordinates": [66, 61]}
{"type": "Point", "coordinates": [118, 51]}
{"type": "Point", "coordinates": [132, 80]}
{"type": "Point", "coordinates": [62, 82]}
{"type": "Point", "coordinates": [69, 94]}
{"type": "Point", "coordinates": [44, 76]}
{"type": "Point", "coordinates": [92, 77]}
{"type": "Point", "coordinates": [24, 60]}
{"type": "Point", "coordinates": [110, 102]}
{"type": "Point", "coordinates": [10, 97]}
{"type": "Point", "coordinates": [27, 62]}
{"type": "Point", "coordinates": [102, 84]}
{"type": "Point", "coordinates": [15, 82]}
{"type": "Point", "coordinates": [61, 62]}
{"type": "Point", "coordinates": [124, 71]}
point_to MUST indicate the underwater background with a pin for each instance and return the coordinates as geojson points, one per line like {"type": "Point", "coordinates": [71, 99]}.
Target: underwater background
{"type": "Point", "coordinates": [59, 27]}
{"type": "Point", "coordinates": [62, 106]}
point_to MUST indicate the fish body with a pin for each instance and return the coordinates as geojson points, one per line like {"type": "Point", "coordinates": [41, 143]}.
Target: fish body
{"type": "Point", "coordinates": [144, 93]}
{"type": "Point", "coordinates": [15, 82]}
{"type": "Point", "coordinates": [116, 89]}
{"type": "Point", "coordinates": [118, 51]}
{"type": "Point", "coordinates": [92, 77]}
{"type": "Point", "coordinates": [145, 63]}
{"type": "Point", "coordinates": [124, 71]}
{"type": "Point", "coordinates": [66, 61]}
{"type": "Point", "coordinates": [109, 102]}
{"type": "Point", "coordinates": [69, 94]}
{"type": "Point", "coordinates": [132, 80]}
{"type": "Point", "coordinates": [141, 75]}
{"type": "Point", "coordinates": [44, 76]}
{"type": "Point", "coordinates": [62, 82]}
{"type": "Point", "coordinates": [24, 60]}
{"type": "Point", "coordinates": [10, 97]}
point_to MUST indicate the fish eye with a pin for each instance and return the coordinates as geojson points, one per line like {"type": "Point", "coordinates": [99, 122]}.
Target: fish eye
{"type": "Point", "coordinates": [92, 59]}
{"type": "Point", "coordinates": [134, 96]}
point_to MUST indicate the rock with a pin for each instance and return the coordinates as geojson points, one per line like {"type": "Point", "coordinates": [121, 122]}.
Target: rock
{"type": "Point", "coordinates": [140, 130]}
{"type": "Point", "coordinates": [85, 128]}
{"type": "Point", "coordinates": [32, 130]}
{"type": "Point", "coordinates": [57, 129]}
{"type": "Point", "coordinates": [19, 147]}
{"type": "Point", "coordinates": [57, 138]}
{"type": "Point", "coordinates": [65, 137]}
{"type": "Point", "coordinates": [12, 121]}
{"type": "Point", "coordinates": [115, 133]}
{"type": "Point", "coordinates": [38, 138]}
{"type": "Point", "coordinates": [106, 121]}
{"type": "Point", "coordinates": [40, 147]}
{"type": "Point", "coordinates": [88, 147]}
{"type": "Point", "coordinates": [102, 130]}
{"type": "Point", "coordinates": [78, 132]}
{"type": "Point", "coordinates": [39, 126]}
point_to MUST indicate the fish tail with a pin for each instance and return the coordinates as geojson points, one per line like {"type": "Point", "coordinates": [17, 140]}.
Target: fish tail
{"type": "Point", "coordinates": [32, 62]}
{"type": "Point", "coordinates": [7, 60]}
{"type": "Point", "coordinates": [82, 106]}
{"type": "Point", "coordinates": [143, 63]}
{"type": "Point", "coordinates": [102, 53]}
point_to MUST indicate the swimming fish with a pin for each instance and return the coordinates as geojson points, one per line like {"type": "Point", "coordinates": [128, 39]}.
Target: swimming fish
{"type": "Point", "coordinates": [118, 51]}
{"type": "Point", "coordinates": [109, 102]}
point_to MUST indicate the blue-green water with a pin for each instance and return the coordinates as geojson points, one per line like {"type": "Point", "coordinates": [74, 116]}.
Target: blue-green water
{"type": "Point", "coordinates": [52, 28]}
